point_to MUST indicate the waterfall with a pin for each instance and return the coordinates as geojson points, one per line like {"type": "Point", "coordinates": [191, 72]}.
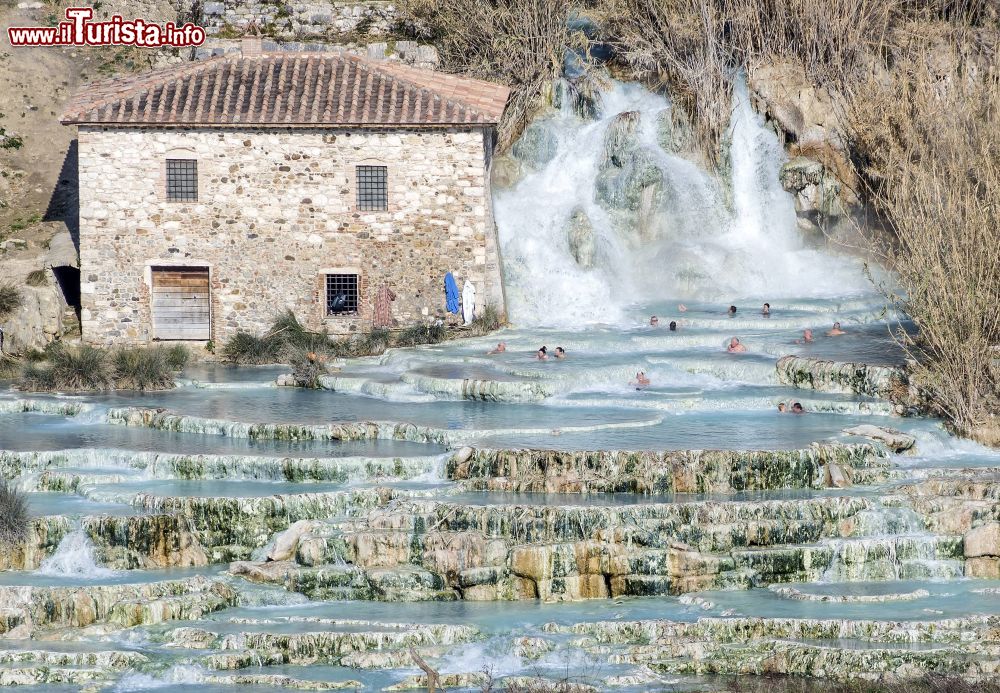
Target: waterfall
{"type": "Point", "coordinates": [614, 220]}
{"type": "Point", "coordinates": [74, 557]}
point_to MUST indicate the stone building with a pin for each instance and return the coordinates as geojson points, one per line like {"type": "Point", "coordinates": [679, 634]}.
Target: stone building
{"type": "Point", "coordinates": [216, 194]}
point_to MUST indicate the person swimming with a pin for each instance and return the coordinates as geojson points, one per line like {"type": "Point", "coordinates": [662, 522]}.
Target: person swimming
{"type": "Point", "coordinates": [797, 409]}
{"type": "Point", "coordinates": [835, 331]}
{"type": "Point", "coordinates": [560, 353]}
{"type": "Point", "coordinates": [807, 336]}
{"type": "Point", "coordinates": [673, 325]}
{"type": "Point", "coordinates": [766, 310]}
{"type": "Point", "coordinates": [735, 347]}
{"type": "Point", "coordinates": [542, 354]}
{"type": "Point", "coordinates": [732, 311]}
{"type": "Point", "coordinates": [782, 409]}
{"type": "Point", "coordinates": [654, 321]}
{"type": "Point", "coordinates": [640, 381]}
{"type": "Point", "coordinates": [500, 348]}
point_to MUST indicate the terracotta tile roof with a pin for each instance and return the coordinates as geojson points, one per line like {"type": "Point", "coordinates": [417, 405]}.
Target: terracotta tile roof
{"type": "Point", "coordinates": [289, 89]}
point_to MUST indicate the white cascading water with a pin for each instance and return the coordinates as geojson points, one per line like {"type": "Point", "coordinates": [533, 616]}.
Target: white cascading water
{"type": "Point", "coordinates": [695, 247]}
{"type": "Point", "coordinates": [74, 557]}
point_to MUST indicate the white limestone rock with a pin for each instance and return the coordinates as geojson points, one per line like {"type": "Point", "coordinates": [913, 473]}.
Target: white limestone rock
{"type": "Point", "coordinates": [286, 542]}
{"type": "Point", "coordinates": [897, 441]}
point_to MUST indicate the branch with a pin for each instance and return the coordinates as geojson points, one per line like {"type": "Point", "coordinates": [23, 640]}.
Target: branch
{"type": "Point", "coordinates": [433, 679]}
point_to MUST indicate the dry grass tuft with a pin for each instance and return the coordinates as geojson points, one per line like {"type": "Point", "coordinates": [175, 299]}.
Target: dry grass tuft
{"type": "Point", "coordinates": [519, 43]}
{"type": "Point", "coordinates": [10, 299]}
{"type": "Point", "coordinates": [14, 515]}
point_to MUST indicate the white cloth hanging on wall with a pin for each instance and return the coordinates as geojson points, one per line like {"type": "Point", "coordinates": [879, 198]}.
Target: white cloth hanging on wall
{"type": "Point", "coordinates": [468, 301]}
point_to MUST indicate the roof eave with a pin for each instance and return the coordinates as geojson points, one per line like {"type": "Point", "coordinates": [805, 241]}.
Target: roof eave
{"type": "Point", "coordinates": [338, 126]}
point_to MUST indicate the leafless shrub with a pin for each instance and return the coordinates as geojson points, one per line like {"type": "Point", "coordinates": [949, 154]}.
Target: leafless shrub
{"type": "Point", "coordinates": [517, 42]}
{"type": "Point", "coordinates": [927, 136]}
{"type": "Point", "coordinates": [14, 516]}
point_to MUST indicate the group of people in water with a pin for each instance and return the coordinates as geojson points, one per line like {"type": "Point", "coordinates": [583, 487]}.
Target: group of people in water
{"type": "Point", "coordinates": [542, 354]}
{"type": "Point", "coordinates": [735, 346]}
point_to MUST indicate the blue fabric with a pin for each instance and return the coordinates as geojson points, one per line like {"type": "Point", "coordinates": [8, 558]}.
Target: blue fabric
{"type": "Point", "coordinates": [451, 293]}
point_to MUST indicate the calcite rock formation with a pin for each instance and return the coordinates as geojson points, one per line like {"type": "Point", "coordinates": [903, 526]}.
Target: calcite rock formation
{"type": "Point", "coordinates": [286, 543]}
{"type": "Point", "coordinates": [832, 376]}
{"type": "Point", "coordinates": [536, 147]}
{"type": "Point", "coordinates": [580, 235]}
{"type": "Point", "coordinates": [693, 471]}
{"type": "Point", "coordinates": [125, 605]}
{"type": "Point", "coordinates": [897, 441]}
{"type": "Point", "coordinates": [982, 551]}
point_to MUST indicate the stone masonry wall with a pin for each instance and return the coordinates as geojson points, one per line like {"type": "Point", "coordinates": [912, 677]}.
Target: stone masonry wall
{"type": "Point", "coordinates": [297, 18]}
{"type": "Point", "coordinates": [276, 207]}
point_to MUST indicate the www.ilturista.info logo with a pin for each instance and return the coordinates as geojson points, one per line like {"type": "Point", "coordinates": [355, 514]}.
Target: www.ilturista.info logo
{"type": "Point", "coordinates": [78, 30]}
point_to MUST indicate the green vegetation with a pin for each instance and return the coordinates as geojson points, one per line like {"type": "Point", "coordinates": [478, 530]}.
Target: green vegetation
{"type": "Point", "coordinates": [24, 222]}
{"type": "Point", "coordinates": [490, 319]}
{"type": "Point", "coordinates": [10, 141]}
{"type": "Point", "coordinates": [421, 334]}
{"type": "Point", "coordinates": [88, 368]}
{"type": "Point", "coordinates": [37, 277]}
{"type": "Point", "coordinates": [177, 356]}
{"type": "Point", "coordinates": [69, 368]}
{"type": "Point", "coordinates": [14, 515]}
{"type": "Point", "coordinates": [228, 31]}
{"type": "Point", "coordinates": [288, 341]}
{"type": "Point", "coordinates": [141, 369]}
{"type": "Point", "coordinates": [245, 349]}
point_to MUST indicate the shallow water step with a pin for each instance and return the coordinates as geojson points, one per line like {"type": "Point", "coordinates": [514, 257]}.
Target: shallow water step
{"type": "Point", "coordinates": [859, 378]}
{"type": "Point", "coordinates": [250, 521]}
{"type": "Point", "coordinates": [520, 422]}
{"type": "Point", "coordinates": [37, 675]}
{"type": "Point", "coordinates": [116, 660]}
{"type": "Point", "coordinates": [902, 557]}
{"type": "Point", "coordinates": [165, 465]}
{"type": "Point", "coordinates": [651, 524]}
{"type": "Point", "coordinates": [42, 434]}
{"type": "Point", "coordinates": [836, 662]}
{"type": "Point", "coordinates": [696, 471]}
{"type": "Point", "coordinates": [401, 583]}
{"type": "Point", "coordinates": [789, 592]}
{"type": "Point", "coordinates": [751, 629]}
{"type": "Point", "coordinates": [311, 645]}
{"type": "Point", "coordinates": [491, 387]}
{"type": "Point", "coordinates": [53, 406]}
{"type": "Point", "coordinates": [26, 609]}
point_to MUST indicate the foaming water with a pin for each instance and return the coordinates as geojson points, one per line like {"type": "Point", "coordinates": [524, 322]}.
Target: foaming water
{"type": "Point", "coordinates": [74, 557]}
{"type": "Point", "coordinates": [704, 237]}
{"type": "Point", "coordinates": [177, 675]}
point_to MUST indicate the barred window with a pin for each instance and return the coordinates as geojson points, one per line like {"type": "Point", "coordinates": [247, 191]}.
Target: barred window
{"type": "Point", "coordinates": [373, 193]}
{"type": "Point", "coordinates": [341, 294]}
{"type": "Point", "coordinates": [182, 180]}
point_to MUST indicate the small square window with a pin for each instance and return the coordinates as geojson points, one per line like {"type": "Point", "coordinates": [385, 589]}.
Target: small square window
{"type": "Point", "coordinates": [341, 294]}
{"type": "Point", "coordinates": [373, 190]}
{"type": "Point", "coordinates": [182, 180]}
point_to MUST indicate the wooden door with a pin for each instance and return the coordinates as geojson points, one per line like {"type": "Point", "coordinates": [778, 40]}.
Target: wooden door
{"type": "Point", "coordinates": [182, 307]}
